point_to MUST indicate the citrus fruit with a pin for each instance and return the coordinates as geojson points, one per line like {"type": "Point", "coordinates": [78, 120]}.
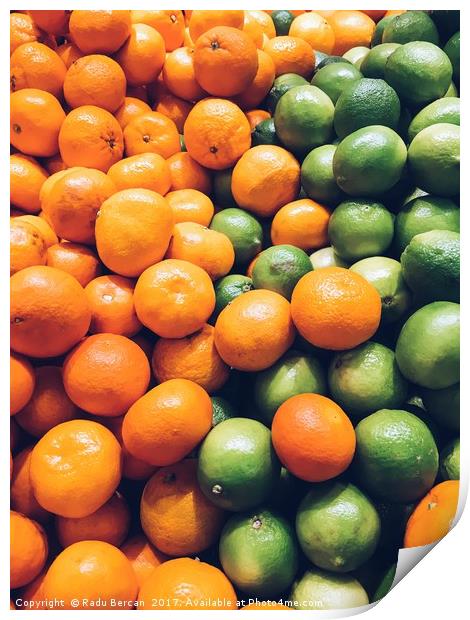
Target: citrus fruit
{"type": "Point", "coordinates": [356, 55]}
{"type": "Point", "coordinates": [431, 265]}
{"type": "Point", "coordinates": [292, 374]}
{"type": "Point", "coordinates": [366, 102]}
{"type": "Point", "coordinates": [334, 308]}
{"type": "Point", "coordinates": [265, 133]}
{"type": "Point", "coordinates": [229, 287]}
{"type": "Point", "coordinates": [320, 590]}
{"type": "Point", "coordinates": [317, 178]}
{"type": "Point", "coordinates": [281, 85]}
{"type": "Point", "coordinates": [450, 461]}
{"type": "Point", "coordinates": [143, 55]}
{"type": "Point", "coordinates": [99, 31]}
{"type": "Point", "coordinates": [427, 349]}
{"type": "Point", "coordinates": [352, 29]}
{"type": "Point", "coordinates": [379, 29]}
{"type": "Point", "coordinates": [385, 275]}
{"type": "Point", "coordinates": [423, 214]}
{"type": "Point", "coordinates": [282, 21]}
{"type": "Point", "coordinates": [111, 300]}
{"type": "Point", "coordinates": [243, 230]}
{"type": "Point", "coordinates": [373, 65]}
{"type": "Point", "coordinates": [190, 205]}
{"type": "Point", "coordinates": [366, 379]}
{"type": "Point", "coordinates": [22, 382]}
{"type": "Point", "coordinates": [410, 26]}
{"type": "Point", "coordinates": [222, 410]}
{"type": "Point", "coordinates": [452, 49]}
{"type": "Point", "coordinates": [434, 159]}
{"type": "Point", "coordinates": [445, 110]}
{"type": "Point", "coordinates": [396, 457]}
{"type": "Point", "coordinates": [369, 161]}
{"type": "Point", "coordinates": [315, 29]}
{"type": "Point", "coordinates": [302, 223]}
{"type": "Point", "coordinates": [334, 78]}
{"type": "Point", "coordinates": [22, 497]}
{"type": "Point", "coordinates": [330, 59]}
{"type": "Point", "coordinates": [360, 228]}
{"type": "Point", "coordinates": [291, 55]}
{"type": "Point", "coordinates": [28, 549]}
{"type": "Point", "coordinates": [222, 189]}
{"type": "Point", "coordinates": [419, 71]}
{"type": "Point", "coordinates": [304, 118]}
{"type": "Point", "coordinates": [279, 268]}
{"type": "Point", "coordinates": [237, 466]}
{"type": "Point", "coordinates": [444, 405]}
{"type": "Point", "coordinates": [258, 552]}
{"type": "Point", "coordinates": [326, 257]}
{"type": "Point", "coordinates": [202, 21]}
{"type": "Point", "coordinates": [337, 527]}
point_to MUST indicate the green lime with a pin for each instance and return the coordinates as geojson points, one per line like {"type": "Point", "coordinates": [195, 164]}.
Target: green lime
{"type": "Point", "coordinates": [279, 268]}
{"type": "Point", "coordinates": [444, 406]}
{"type": "Point", "coordinates": [330, 60]}
{"type": "Point", "coordinates": [452, 91]}
{"type": "Point", "coordinates": [365, 379]}
{"type": "Point", "coordinates": [379, 30]}
{"type": "Point", "coordinates": [431, 265]}
{"type": "Point", "coordinates": [335, 77]}
{"type": "Point", "coordinates": [327, 257]}
{"type": "Point", "coordinates": [229, 287]}
{"type": "Point", "coordinates": [369, 161]}
{"type": "Point", "coordinates": [337, 526]}
{"type": "Point", "coordinates": [385, 584]}
{"type": "Point", "coordinates": [293, 374]}
{"type": "Point", "coordinates": [237, 466]}
{"type": "Point", "coordinates": [452, 49]}
{"type": "Point", "coordinates": [434, 159]}
{"type": "Point", "coordinates": [243, 230]}
{"type": "Point", "coordinates": [182, 143]}
{"type": "Point", "coordinates": [319, 57]}
{"type": "Point", "coordinates": [366, 102]}
{"type": "Point", "coordinates": [450, 461]}
{"type": "Point", "coordinates": [374, 65]}
{"type": "Point", "coordinates": [445, 110]}
{"type": "Point", "coordinates": [281, 85]}
{"type": "Point", "coordinates": [304, 118]}
{"type": "Point", "coordinates": [396, 457]}
{"type": "Point", "coordinates": [222, 410]}
{"type": "Point", "coordinates": [356, 55]}
{"type": "Point", "coordinates": [282, 21]}
{"type": "Point", "coordinates": [360, 228]}
{"type": "Point", "coordinates": [386, 277]}
{"type": "Point", "coordinates": [428, 347]}
{"type": "Point", "coordinates": [222, 188]}
{"type": "Point", "coordinates": [423, 214]}
{"type": "Point", "coordinates": [411, 26]}
{"type": "Point", "coordinates": [317, 176]}
{"type": "Point", "coordinates": [258, 552]}
{"type": "Point", "coordinates": [321, 590]}
{"type": "Point", "coordinates": [420, 72]}
{"type": "Point", "coordinates": [264, 133]}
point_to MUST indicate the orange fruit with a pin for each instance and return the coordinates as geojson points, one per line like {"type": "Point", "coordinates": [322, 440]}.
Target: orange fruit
{"type": "Point", "coordinates": [28, 549]}
{"type": "Point", "coordinates": [352, 29]}
{"type": "Point", "coordinates": [53, 22]}
{"type": "Point", "coordinates": [432, 518]}
{"type": "Point", "coordinates": [204, 585]}
{"type": "Point", "coordinates": [265, 21]}
{"type": "Point", "coordinates": [179, 77]}
{"type": "Point", "coordinates": [314, 29]}
{"type": "Point", "coordinates": [48, 184]}
{"type": "Point", "coordinates": [75, 468]}
{"type": "Point", "coordinates": [174, 108]}
{"type": "Point", "coordinates": [225, 61]}
{"type": "Point", "coordinates": [152, 132]}
{"type": "Point", "coordinates": [68, 53]}
{"type": "Point", "coordinates": [142, 55]}
{"type": "Point", "coordinates": [73, 201]}
{"type": "Point", "coordinates": [111, 301]}
{"type": "Point", "coordinates": [202, 21]}
{"type": "Point", "coordinates": [26, 180]}
{"type": "Point", "coordinates": [36, 118]}
{"type": "Point", "coordinates": [43, 227]}
{"type": "Point", "coordinates": [253, 29]}
{"type": "Point", "coordinates": [91, 137]}
{"type": "Point", "coordinates": [105, 374]}
{"type": "Point", "coordinates": [334, 308]}
{"type": "Point", "coordinates": [133, 230]}
{"type": "Point", "coordinates": [313, 437]}
{"type": "Point", "coordinates": [99, 32]}
{"type": "Point", "coordinates": [88, 572]}
{"type": "Point", "coordinates": [254, 330]}
{"type": "Point", "coordinates": [22, 30]}
{"type": "Point", "coordinates": [190, 205]}
{"type": "Point", "coordinates": [209, 249]}
{"type": "Point", "coordinates": [256, 116]}
{"type": "Point", "coordinates": [169, 23]}
{"type": "Point", "coordinates": [27, 246]}
{"type": "Point", "coordinates": [194, 357]}
{"type": "Point", "coordinates": [54, 163]}
{"type": "Point", "coordinates": [175, 514]}
{"type": "Point", "coordinates": [130, 109]}
{"type": "Point", "coordinates": [255, 92]}
{"type": "Point", "coordinates": [143, 557]}
{"type": "Point", "coordinates": [216, 133]}
{"type": "Point", "coordinates": [186, 173]}
{"type": "Point", "coordinates": [49, 404]}
{"type": "Point", "coordinates": [22, 380]}
{"type": "Point", "coordinates": [34, 65]}
{"type": "Point", "coordinates": [95, 80]}
{"type": "Point", "coordinates": [48, 311]}
{"type": "Point", "coordinates": [165, 424]}
{"type": "Point", "coordinates": [21, 492]}
{"type": "Point", "coordinates": [78, 260]}
{"type": "Point", "coordinates": [265, 178]}
{"type": "Point", "coordinates": [291, 55]}
{"type": "Point", "coordinates": [174, 298]}
{"type": "Point", "coordinates": [303, 223]}
{"type": "Point", "coordinates": [146, 171]}
{"type": "Point", "coordinates": [110, 524]}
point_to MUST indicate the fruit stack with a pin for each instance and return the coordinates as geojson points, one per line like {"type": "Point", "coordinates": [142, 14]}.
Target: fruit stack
{"type": "Point", "coordinates": [234, 304]}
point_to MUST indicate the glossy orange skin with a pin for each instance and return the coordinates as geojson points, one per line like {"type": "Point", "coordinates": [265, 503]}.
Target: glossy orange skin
{"type": "Point", "coordinates": [152, 133]}
{"type": "Point", "coordinates": [111, 300]}
{"type": "Point", "coordinates": [169, 23]}
{"type": "Point", "coordinates": [145, 170]}
{"type": "Point", "coordinates": [302, 223]}
{"type": "Point", "coordinates": [257, 90]}
{"type": "Point", "coordinates": [190, 205]}
{"type": "Point", "coordinates": [26, 179]}
{"type": "Point", "coordinates": [143, 557]}
{"type": "Point", "coordinates": [142, 55]}
{"type": "Point", "coordinates": [202, 21]}
{"type": "Point", "coordinates": [179, 77]}
{"type": "Point", "coordinates": [291, 55]}
{"type": "Point", "coordinates": [99, 32]}
{"type": "Point", "coordinates": [186, 173]}
{"type": "Point", "coordinates": [27, 246]}
{"type": "Point", "coordinates": [35, 65]}
{"type": "Point", "coordinates": [352, 29]}
{"type": "Point", "coordinates": [130, 109]}
{"type": "Point", "coordinates": [79, 260]}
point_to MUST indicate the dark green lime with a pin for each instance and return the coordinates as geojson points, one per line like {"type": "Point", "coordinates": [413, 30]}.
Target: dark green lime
{"type": "Point", "coordinates": [264, 133]}
{"type": "Point", "coordinates": [282, 21]}
{"type": "Point", "coordinates": [222, 188]}
{"type": "Point", "coordinates": [229, 287]}
{"type": "Point", "coordinates": [452, 49]}
{"type": "Point", "coordinates": [379, 30]}
{"type": "Point", "coordinates": [450, 461]}
{"type": "Point", "coordinates": [222, 410]}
